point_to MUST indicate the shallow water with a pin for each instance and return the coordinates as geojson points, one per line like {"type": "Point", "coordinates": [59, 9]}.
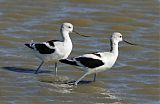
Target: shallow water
{"type": "Point", "coordinates": [134, 79]}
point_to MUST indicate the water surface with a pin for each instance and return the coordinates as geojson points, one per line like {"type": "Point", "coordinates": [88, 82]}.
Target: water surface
{"type": "Point", "coordinates": [134, 79]}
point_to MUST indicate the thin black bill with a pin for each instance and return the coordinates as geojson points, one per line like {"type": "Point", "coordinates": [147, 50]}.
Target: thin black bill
{"type": "Point", "coordinates": [80, 34]}
{"type": "Point", "coordinates": [129, 42]}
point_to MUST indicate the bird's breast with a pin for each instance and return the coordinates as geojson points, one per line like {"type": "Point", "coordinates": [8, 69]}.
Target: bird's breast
{"type": "Point", "coordinates": [110, 61]}
{"type": "Point", "coordinates": [65, 50]}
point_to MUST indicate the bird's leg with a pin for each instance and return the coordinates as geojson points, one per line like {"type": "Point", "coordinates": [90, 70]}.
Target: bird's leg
{"type": "Point", "coordinates": [56, 69]}
{"type": "Point", "coordinates": [80, 79]}
{"type": "Point", "coordinates": [94, 78]}
{"type": "Point", "coordinates": [39, 67]}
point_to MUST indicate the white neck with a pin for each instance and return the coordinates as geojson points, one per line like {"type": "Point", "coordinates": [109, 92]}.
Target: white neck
{"type": "Point", "coordinates": [114, 47]}
{"type": "Point", "coordinates": [67, 44]}
{"type": "Point", "coordinates": [65, 36]}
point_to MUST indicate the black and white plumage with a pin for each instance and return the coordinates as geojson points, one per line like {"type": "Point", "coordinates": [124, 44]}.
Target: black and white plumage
{"type": "Point", "coordinates": [43, 48]}
{"type": "Point", "coordinates": [54, 50]}
{"type": "Point", "coordinates": [97, 62]}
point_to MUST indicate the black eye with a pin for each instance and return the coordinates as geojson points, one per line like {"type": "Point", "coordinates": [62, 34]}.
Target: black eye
{"type": "Point", "coordinates": [69, 26]}
{"type": "Point", "coordinates": [120, 36]}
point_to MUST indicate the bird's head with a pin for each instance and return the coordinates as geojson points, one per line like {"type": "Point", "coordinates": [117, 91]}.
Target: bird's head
{"type": "Point", "coordinates": [68, 27]}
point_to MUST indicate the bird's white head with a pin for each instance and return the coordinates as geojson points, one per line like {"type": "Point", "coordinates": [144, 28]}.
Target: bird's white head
{"type": "Point", "coordinates": [116, 37]}
{"type": "Point", "coordinates": [68, 27]}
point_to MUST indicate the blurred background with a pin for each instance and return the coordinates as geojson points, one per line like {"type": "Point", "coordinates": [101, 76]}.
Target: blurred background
{"type": "Point", "coordinates": [134, 79]}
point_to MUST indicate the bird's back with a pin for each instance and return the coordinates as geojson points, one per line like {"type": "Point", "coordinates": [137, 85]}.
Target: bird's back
{"type": "Point", "coordinates": [50, 50]}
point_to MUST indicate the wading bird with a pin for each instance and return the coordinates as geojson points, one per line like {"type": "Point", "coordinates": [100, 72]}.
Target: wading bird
{"type": "Point", "coordinates": [93, 63]}
{"type": "Point", "coordinates": [54, 50]}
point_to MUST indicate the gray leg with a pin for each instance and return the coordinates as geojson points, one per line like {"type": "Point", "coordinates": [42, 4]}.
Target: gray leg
{"type": "Point", "coordinates": [80, 78]}
{"type": "Point", "coordinates": [39, 67]}
{"type": "Point", "coordinates": [94, 79]}
{"type": "Point", "coordinates": [56, 68]}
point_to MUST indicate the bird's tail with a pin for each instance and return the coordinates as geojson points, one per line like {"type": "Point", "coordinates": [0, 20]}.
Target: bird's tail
{"type": "Point", "coordinates": [70, 62]}
{"type": "Point", "coordinates": [30, 45]}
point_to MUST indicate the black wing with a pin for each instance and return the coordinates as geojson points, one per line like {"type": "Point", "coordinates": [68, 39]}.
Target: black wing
{"type": "Point", "coordinates": [43, 49]}
{"type": "Point", "coordinates": [70, 62]}
{"type": "Point", "coordinates": [89, 62]}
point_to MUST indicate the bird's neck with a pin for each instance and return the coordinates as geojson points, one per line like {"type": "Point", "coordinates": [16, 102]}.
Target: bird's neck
{"type": "Point", "coordinates": [65, 36]}
{"type": "Point", "coordinates": [114, 47]}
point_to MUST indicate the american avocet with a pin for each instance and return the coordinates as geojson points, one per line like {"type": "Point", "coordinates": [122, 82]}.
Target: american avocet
{"type": "Point", "coordinates": [54, 50]}
{"type": "Point", "coordinates": [96, 62]}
